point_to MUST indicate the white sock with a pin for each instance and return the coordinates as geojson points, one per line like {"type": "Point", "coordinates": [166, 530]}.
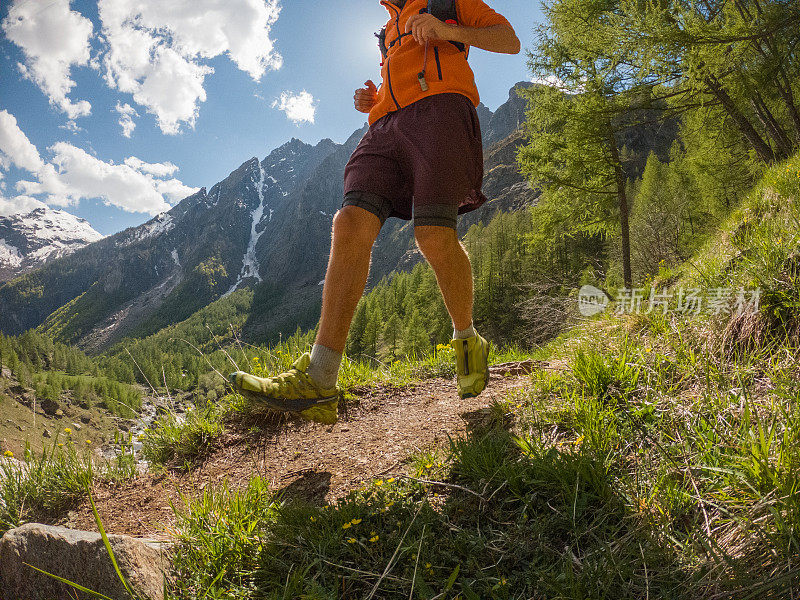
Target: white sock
{"type": "Point", "coordinates": [324, 365]}
{"type": "Point", "coordinates": [462, 334]}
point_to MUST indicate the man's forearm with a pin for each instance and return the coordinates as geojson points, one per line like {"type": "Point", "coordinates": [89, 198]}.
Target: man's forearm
{"type": "Point", "coordinates": [497, 38]}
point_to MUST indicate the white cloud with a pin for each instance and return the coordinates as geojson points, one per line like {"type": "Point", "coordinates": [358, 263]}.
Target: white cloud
{"type": "Point", "coordinates": [156, 169]}
{"type": "Point", "coordinates": [78, 175]}
{"type": "Point", "coordinates": [73, 175]}
{"type": "Point", "coordinates": [15, 147]}
{"type": "Point", "coordinates": [299, 108]}
{"type": "Point", "coordinates": [53, 39]}
{"type": "Point", "coordinates": [71, 126]}
{"type": "Point", "coordinates": [126, 115]}
{"type": "Point", "coordinates": [19, 204]}
{"type": "Point", "coordinates": [557, 83]}
{"type": "Point", "coordinates": [155, 49]}
{"type": "Point", "coordinates": [173, 190]}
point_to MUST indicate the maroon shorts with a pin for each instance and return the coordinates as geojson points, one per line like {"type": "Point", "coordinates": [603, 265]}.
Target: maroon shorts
{"type": "Point", "coordinates": [424, 161]}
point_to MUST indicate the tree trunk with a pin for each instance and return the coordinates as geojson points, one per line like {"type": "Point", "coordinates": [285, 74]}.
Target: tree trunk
{"type": "Point", "coordinates": [623, 210]}
{"type": "Point", "coordinates": [772, 127]}
{"type": "Point", "coordinates": [761, 148]}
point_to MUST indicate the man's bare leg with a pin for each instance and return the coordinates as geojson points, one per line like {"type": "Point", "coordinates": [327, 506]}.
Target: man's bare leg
{"type": "Point", "coordinates": [354, 233]}
{"type": "Point", "coordinates": [448, 258]}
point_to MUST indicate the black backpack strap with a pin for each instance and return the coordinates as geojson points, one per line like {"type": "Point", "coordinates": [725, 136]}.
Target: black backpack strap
{"type": "Point", "coordinates": [445, 10]}
{"type": "Point", "coordinates": [382, 42]}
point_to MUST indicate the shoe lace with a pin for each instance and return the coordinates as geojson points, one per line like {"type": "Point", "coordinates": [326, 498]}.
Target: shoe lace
{"type": "Point", "coordinates": [290, 379]}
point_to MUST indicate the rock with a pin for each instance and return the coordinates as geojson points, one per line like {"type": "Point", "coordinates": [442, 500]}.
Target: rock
{"type": "Point", "coordinates": [46, 433]}
{"type": "Point", "coordinates": [76, 426]}
{"type": "Point", "coordinates": [86, 419]}
{"type": "Point", "coordinates": [59, 413]}
{"type": "Point", "coordinates": [49, 406]}
{"type": "Point", "coordinates": [79, 556]}
{"type": "Point", "coordinates": [523, 367]}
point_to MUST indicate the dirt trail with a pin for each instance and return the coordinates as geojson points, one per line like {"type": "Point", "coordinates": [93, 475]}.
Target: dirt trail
{"type": "Point", "coordinates": [304, 459]}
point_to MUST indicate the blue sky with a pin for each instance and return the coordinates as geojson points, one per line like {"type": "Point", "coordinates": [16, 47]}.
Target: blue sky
{"type": "Point", "coordinates": [69, 71]}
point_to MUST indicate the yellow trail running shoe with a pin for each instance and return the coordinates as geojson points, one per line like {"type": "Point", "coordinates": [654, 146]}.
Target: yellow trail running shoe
{"type": "Point", "coordinates": [293, 391]}
{"type": "Point", "coordinates": [472, 365]}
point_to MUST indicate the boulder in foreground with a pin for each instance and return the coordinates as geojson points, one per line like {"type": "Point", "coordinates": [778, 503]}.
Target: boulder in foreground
{"type": "Point", "coordinates": [79, 556]}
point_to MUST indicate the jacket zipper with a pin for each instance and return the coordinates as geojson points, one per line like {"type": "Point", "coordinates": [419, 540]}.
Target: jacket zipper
{"type": "Point", "coordinates": [399, 40]}
{"type": "Point", "coordinates": [396, 20]}
{"type": "Point", "coordinates": [438, 64]}
{"type": "Point", "coordinates": [389, 81]}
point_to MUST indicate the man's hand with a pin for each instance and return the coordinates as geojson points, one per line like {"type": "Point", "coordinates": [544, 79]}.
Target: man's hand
{"type": "Point", "coordinates": [426, 28]}
{"type": "Point", "coordinates": [496, 38]}
{"type": "Point", "coordinates": [366, 97]}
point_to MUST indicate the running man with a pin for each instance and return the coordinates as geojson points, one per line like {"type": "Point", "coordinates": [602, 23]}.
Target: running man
{"type": "Point", "coordinates": [420, 160]}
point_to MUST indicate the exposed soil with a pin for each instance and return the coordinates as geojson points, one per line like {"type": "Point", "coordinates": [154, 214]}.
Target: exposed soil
{"type": "Point", "coordinates": [373, 439]}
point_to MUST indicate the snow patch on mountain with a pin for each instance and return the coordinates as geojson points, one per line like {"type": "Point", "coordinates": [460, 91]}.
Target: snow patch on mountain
{"type": "Point", "coordinates": [250, 264]}
{"type": "Point", "coordinates": [9, 255]}
{"type": "Point", "coordinates": [161, 224]}
{"type": "Point", "coordinates": [155, 227]}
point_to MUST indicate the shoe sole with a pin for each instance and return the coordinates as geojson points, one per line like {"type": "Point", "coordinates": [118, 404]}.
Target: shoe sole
{"type": "Point", "coordinates": [286, 404]}
{"type": "Point", "coordinates": [263, 402]}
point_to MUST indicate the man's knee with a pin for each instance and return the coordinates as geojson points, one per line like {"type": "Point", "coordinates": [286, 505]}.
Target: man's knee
{"type": "Point", "coordinates": [434, 241]}
{"type": "Point", "coordinates": [354, 226]}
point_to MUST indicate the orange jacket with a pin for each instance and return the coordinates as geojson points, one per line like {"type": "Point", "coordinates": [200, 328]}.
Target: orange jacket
{"type": "Point", "coordinates": [446, 67]}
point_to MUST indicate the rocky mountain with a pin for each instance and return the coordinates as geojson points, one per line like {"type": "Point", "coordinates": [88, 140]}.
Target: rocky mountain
{"type": "Point", "coordinates": [27, 241]}
{"type": "Point", "coordinates": [266, 226]}
{"type": "Point", "coordinates": [509, 116]}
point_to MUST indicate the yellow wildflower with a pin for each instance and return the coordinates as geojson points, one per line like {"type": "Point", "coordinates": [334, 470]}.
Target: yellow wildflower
{"type": "Point", "coordinates": [356, 521]}
{"type": "Point", "coordinates": [347, 525]}
{"type": "Point", "coordinates": [88, 441]}
{"type": "Point", "coordinates": [379, 482]}
{"type": "Point", "coordinates": [68, 430]}
{"type": "Point", "coordinates": [9, 454]}
{"type": "Point", "coordinates": [351, 540]}
{"type": "Point", "coordinates": [390, 480]}
{"type": "Point", "coordinates": [374, 538]}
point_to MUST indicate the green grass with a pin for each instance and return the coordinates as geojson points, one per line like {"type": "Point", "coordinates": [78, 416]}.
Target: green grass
{"type": "Point", "coordinates": [511, 519]}
{"type": "Point", "coordinates": [180, 440]}
{"type": "Point", "coordinates": [41, 487]}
